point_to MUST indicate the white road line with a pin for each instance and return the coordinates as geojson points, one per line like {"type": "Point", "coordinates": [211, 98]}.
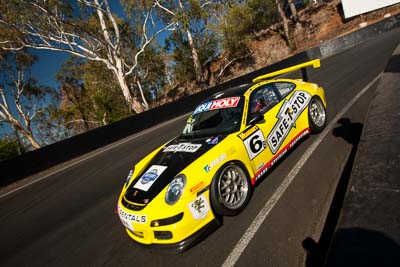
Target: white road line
{"type": "Point", "coordinates": [265, 211]}
{"type": "Point", "coordinates": [102, 150]}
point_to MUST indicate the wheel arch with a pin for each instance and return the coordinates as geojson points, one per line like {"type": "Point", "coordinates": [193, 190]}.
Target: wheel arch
{"type": "Point", "coordinates": [214, 197]}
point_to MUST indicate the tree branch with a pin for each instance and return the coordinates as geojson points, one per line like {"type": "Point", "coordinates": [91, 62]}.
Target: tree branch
{"type": "Point", "coordinates": [114, 23]}
{"type": "Point", "coordinates": [169, 27]}
{"type": "Point", "coordinates": [230, 63]}
{"type": "Point", "coordinates": [157, 3]}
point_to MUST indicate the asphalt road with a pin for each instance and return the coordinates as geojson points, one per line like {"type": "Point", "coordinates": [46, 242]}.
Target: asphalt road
{"type": "Point", "coordinates": [67, 218]}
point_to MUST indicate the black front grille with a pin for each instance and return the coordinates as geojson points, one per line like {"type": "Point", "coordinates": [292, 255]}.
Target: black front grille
{"type": "Point", "coordinates": [132, 206]}
{"type": "Point", "coordinates": [162, 235]}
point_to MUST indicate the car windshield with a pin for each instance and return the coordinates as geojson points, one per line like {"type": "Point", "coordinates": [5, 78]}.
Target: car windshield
{"type": "Point", "coordinates": [220, 116]}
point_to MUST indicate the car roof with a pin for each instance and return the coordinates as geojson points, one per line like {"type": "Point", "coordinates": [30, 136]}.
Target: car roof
{"type": "Point", "coordinates": [233, 91]}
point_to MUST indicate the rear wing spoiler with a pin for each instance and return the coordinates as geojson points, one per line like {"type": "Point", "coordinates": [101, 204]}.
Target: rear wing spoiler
{"type": "Point", "coordinates": [316, 63]}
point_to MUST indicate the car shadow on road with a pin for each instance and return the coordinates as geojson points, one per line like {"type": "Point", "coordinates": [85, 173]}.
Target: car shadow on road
{"type": "Point", "coordinates": [316, 252]}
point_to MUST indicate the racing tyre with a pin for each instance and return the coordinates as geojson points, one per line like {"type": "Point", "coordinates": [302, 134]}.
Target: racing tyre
{"type": "Point", "coordinates": [316, 115]}
{"type": "Point", "coordinates": [230, 189]}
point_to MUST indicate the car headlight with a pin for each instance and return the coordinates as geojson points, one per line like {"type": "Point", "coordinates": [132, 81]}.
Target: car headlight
{"type": "Point", "coordinates": [175, 189]}
{"type": "Point", "coordinates": [129, 176]}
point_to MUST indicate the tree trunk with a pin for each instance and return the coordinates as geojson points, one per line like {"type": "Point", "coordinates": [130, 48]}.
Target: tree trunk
{"type": "Point", "coordinates": [146, 105]}
{"type": "Point", "coordinates": [295, 17]}
{"type": "Point", "coordinates": [284, 20]}
{"type": "Point", "coordinates": [32, 140]}
{"type": "Point", "coordinates": [25, 133]}
{"type": "Point", "coordinates": [294, 11]}
{"type": "Point", "coordinates": [196, 61]}
{"type": "Point", "coordinates": [131, 101]}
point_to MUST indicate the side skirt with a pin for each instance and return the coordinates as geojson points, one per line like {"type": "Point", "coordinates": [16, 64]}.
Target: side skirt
{"type": "Point", "coordinates": [278, 156]}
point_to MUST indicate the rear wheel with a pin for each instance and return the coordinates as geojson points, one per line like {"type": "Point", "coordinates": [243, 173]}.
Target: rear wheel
{"type": "Point", "coordinates": [316, 115]}
{"type": "Point", "coordinates": [230, 189]}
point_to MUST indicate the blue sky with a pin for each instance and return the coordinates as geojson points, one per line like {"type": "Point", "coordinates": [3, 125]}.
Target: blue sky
{"type": "Point", "coordinates": [48, 64]}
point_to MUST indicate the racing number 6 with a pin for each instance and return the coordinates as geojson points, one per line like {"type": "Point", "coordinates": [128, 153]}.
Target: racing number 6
{"type": "Point", "coordinates": [254, 144]}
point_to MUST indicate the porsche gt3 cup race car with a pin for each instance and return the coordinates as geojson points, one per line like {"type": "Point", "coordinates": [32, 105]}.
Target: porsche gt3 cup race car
{"type": "Point", "coordinates": [175, 195]}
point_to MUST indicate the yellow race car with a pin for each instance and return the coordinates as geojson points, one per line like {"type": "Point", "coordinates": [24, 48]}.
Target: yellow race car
{"type": "Point", "coordinates": [175, 195]}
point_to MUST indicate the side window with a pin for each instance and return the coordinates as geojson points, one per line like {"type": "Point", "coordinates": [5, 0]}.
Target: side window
{"type": "Point", "coordinates": [284, 88]}
{"type": "Point", "coordinates": [263, 99]}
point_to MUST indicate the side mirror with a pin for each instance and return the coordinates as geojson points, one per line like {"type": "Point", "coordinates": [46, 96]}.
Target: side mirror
{"type": "Point", "coordinates": [255, 118]}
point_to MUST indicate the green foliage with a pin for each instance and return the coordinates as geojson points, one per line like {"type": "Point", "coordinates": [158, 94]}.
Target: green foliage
{"type": "Point", "coordinates": [207, 47]}
{"type": "Point", "coordinates": [182, 62]}
{"type": "Point", "coordinates": [242, 20]}
{"type": "Point", "coordinates": [10, 148]}
{"type": "Point", "coordinates": [90, 96]}
{"type": "Point", "coordinates": [152, 70]}
{"type": "Point", "coordinates": [102, 88]}
{"type": "Point", "coordinates": [195, 20]}
{"type": "Point", "coordinates": [20, 14]}
{"type": "Point", "coordinates": [236, 31]}
{"type": "Point", "coordinates": [264, 14]}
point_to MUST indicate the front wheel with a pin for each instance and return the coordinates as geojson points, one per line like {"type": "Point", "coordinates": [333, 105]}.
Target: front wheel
{"type": "Point", "coordinates": [316, 115]}
{"type": "Point", "coordinates": [230, 189]}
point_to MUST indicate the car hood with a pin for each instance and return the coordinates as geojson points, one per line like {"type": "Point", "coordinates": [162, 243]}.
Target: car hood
{"type": "Point", "coordinates": [174, 157]}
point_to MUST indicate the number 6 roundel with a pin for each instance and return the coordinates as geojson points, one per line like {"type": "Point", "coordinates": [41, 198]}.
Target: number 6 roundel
{"type": "Point", "coordinates": [255, 144]}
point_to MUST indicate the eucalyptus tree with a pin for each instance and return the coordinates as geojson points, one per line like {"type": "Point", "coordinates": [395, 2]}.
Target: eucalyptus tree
{"type": "Point", "coordinates": [192, 41]}
{"type": "Point", "coordinates": [21, 98]}
{"type": "Point", "coordinates": [87, 29]}
{"type": "Point", "coordinates": [89, 96]}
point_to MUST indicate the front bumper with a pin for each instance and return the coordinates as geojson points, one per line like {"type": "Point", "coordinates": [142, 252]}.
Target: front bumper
{"type": "Point", "coordinates": [184, 244]}
{"type": "Point", "coordinates": [171, 227]}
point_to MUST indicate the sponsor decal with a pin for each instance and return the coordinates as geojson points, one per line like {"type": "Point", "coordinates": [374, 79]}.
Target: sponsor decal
{"type": "Point", "coordinates": [183, 147]}
{"type": "Point", "coordinates": [299, 137]}
{"type": "Point", "coordinates": [229, 102]}
{"type": "Point", "coordinates": [246, 108]}
{"type": "Point", "coordinates": [199, 207]}
{"type": "Point", "coordinates": [149, 177]}
{"type": "Point", "coordinates": [254, 141]}
{"type": "Point", "coordinates": [197, 187]}
{"type": "Point", "coordinates": [212, 141]}
{"type": "Point", "coordinates": [287, 116]}
{"type": "Point", "coordinates": [214, 163]}
{"type": "Point", "coordinates": [263, 169]}
{"type": "Point", "coordinates": [128, 218]}
{"type": "Point", "coordinates": [246, 133]}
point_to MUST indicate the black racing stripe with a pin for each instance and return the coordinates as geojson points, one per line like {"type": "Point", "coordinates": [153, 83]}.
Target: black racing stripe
{"type": "Point", "coordinates": [175, 162]}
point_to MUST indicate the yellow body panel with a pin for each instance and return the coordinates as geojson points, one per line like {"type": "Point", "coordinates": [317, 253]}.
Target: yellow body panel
{"type": "Point", "coordinates": [232, 148]}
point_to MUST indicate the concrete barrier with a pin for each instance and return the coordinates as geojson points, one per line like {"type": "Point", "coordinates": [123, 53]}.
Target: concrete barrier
{"type": "Point", "coordinates": [368, 230]}
{"type": "Point", "coordinates": [347, 41]}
